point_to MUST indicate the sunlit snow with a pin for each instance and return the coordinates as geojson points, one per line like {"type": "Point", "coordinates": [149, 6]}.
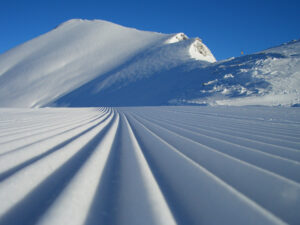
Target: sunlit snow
{"type": "Point", "coordinates": [88, 134]}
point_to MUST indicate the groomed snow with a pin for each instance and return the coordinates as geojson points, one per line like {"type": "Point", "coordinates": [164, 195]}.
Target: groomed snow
{"type": "Point", "coordinates": [150, 165]}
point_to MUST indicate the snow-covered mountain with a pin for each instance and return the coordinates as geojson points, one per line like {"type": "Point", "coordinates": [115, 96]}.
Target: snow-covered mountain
{"type": "Point", "coordinates": [81, 52]}
{"type": "Point", "coordinates": [98, 63]}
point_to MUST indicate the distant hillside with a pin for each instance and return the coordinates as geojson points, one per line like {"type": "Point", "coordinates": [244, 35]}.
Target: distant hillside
{"type": "Point", "coordinates": [85, 63]}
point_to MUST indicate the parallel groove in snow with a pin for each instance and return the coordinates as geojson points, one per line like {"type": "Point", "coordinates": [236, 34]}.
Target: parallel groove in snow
{"type": "Point", "coordinates": [72, 204]}
{"type": "Point", "coordinates": [30, 153]}
{"type": "Point", "coordinates": [156, 210]}
{"type": "Point", "coordinates": [44, 136]}
{"type": "Point", "coordinates": [22, 134]}
{"type": "Point", "coordinates": [152, 165]}
{"type": "Point", "coordinates": [289, 166]}
{"type": "Point", "coordinates": [49, 182]}
{"type": "Point", "coordinates": [243, 131]}
{"type": "Point", "coordinates": [237, 122]}
{"type": "Point", "coordinates": [225, 129]}
{"type": "Point", "coordinates": [257, 175]}
{"type": "Point", "coordinates": [285, 152]}
{"type": "Point", "coordinates": [210, 181]}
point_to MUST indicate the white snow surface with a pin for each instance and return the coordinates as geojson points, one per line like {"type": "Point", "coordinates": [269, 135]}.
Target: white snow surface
{"type": "Point", "coordinates": [150, 165]}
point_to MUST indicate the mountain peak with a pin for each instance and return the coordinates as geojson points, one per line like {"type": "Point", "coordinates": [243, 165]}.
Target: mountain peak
{"type": "Point", "coordinates": [176, 38]}
{"type": "Point", "coordinates": [200, 51]}
{"type": "Point", "coordinates": [80, 21]}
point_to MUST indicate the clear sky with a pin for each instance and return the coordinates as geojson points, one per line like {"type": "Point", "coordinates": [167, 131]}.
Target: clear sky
{"type": "Point", "coordinates": [227, 27]}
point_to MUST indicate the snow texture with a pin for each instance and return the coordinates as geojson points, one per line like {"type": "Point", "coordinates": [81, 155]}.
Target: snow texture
{"type": "Point", "coordinates": [150, 165]}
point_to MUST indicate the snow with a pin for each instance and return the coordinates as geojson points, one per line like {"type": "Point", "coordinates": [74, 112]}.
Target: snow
{"type": "Point", "coordinates": [270, 77]}
{"type": "Point", "coordinates": [150, 165]}
{"type": "Point", "coordinates": [199, 51]}
{"type": "Point", "coordinates": [70, 154]}
{"type": "Point", "coordinates": [176, 38]}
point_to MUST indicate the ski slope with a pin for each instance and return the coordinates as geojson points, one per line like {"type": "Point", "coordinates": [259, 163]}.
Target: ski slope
{"type": "Point", "coordinates": [111, 163]}
{"type": "Point", "coordinates": [150, 165]}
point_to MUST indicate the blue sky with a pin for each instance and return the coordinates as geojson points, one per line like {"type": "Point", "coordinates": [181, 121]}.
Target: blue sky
{"type": "Point", "coordinates": [227, 27]}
